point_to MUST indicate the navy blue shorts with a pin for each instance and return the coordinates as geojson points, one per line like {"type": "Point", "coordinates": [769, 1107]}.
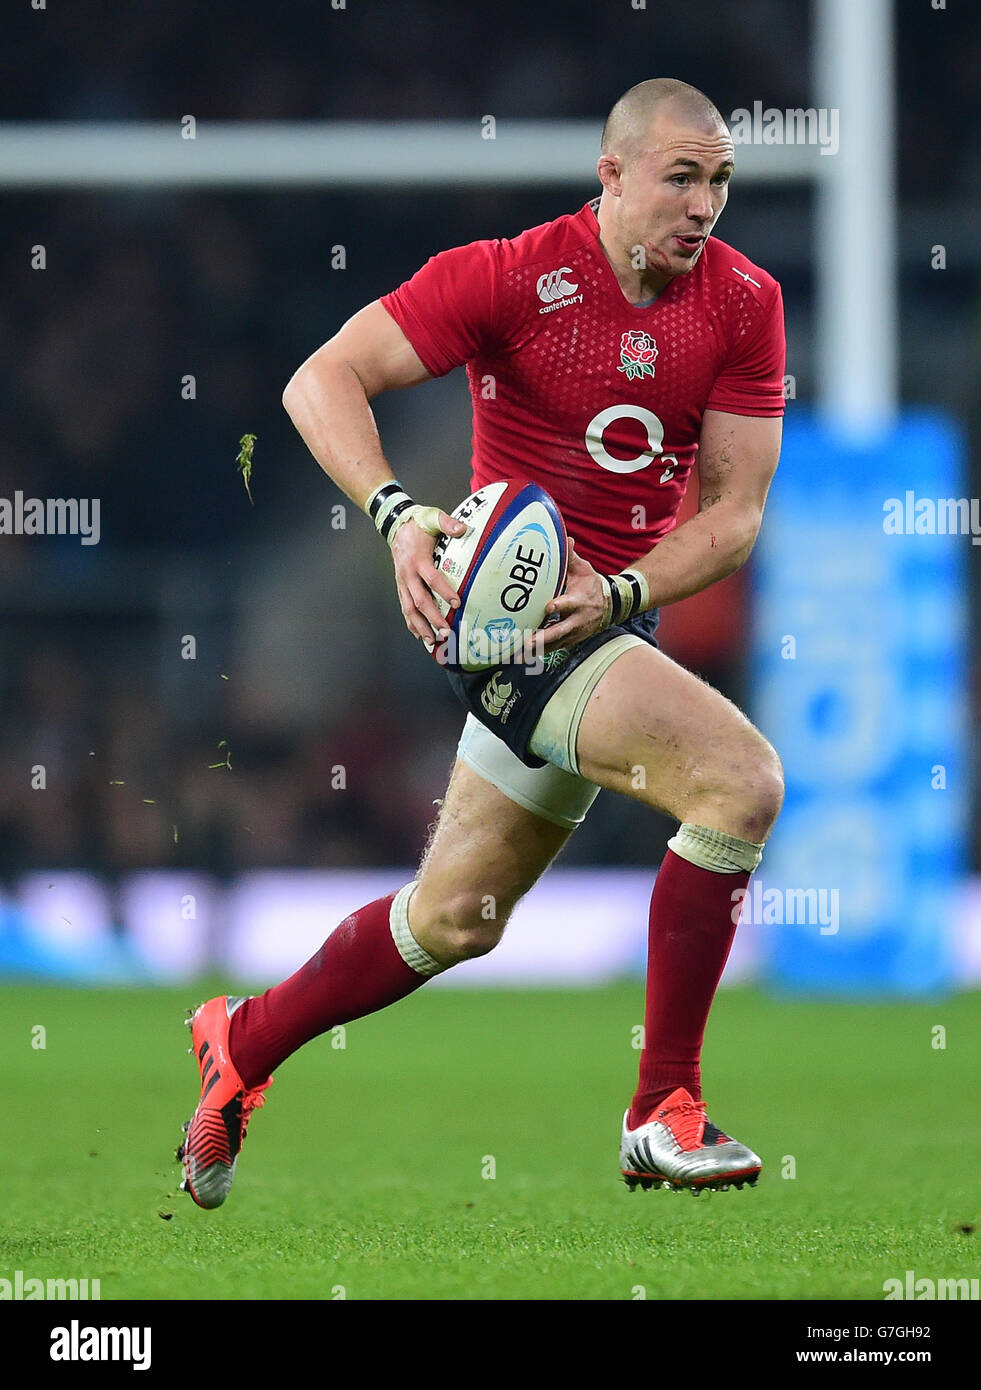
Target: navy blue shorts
{"type": "Point", "coordinates": [509, 700]}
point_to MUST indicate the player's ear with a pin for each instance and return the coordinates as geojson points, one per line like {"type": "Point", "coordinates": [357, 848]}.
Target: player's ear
{"type": "Point", "coordinates": [609, 170]}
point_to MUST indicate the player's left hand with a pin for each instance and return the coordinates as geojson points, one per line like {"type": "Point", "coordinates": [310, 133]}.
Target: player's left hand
{"type": "Point", "coordinates": [581, 608]}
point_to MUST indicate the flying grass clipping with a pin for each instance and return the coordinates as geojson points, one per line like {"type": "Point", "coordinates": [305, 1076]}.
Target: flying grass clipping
{"type": "Point", "coordinates": [244, 462]}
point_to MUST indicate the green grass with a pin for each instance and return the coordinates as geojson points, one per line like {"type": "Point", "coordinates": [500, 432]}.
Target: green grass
{"type": "Point", "coordinates": [365, 1169]}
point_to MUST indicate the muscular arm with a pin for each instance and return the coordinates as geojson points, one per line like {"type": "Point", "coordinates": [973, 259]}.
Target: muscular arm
{"type": "Point", "coordinates": [328, 398]}
{"type": "Point", "coordinates": [737, 457]}
{"type": "Point", "coordinates": [328, 401]}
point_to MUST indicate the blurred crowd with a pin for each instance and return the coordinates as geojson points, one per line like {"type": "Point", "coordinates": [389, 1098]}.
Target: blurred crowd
{"type": "Point", "coordinates": [142, 293]}
{"type": "Point", "coordinates": [113, 780]}
{"type": "Point", "coordinates": [101, 774]}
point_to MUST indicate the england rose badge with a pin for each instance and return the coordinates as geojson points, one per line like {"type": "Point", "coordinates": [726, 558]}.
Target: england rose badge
{"type": "Point", "coordinates": [637, 353]}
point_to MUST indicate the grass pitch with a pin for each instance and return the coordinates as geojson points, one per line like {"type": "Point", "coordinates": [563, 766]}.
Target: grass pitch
{"type": "Point", "coordinates": [463, 1145]}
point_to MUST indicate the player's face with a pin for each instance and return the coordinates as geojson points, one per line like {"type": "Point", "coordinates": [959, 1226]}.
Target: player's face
{"type": "Point", "coordinates": [673, 193]}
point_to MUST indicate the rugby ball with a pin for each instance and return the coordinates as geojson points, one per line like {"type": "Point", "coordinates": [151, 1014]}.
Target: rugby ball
{"type": "Point", "coordinates": [510, 563]}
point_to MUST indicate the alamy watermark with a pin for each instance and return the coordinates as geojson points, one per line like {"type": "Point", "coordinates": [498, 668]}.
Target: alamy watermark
{"type": "Point", "coordinates": [497, 642]}
{"type": "Point", "coordinates": [757, 906]}
{"type": "Point", "coordinates": [24, 1287]}
{"type": "Point", "coordinates": [80, 1343]}
{"type": "Point", "coordinates": [932, 516]}
{"type": "Point", "coordinates": [925, 1288]}
{"type": "Point", "coordinates": [51, 516]}
{"type": "Point", "coordinates": [795, 126]}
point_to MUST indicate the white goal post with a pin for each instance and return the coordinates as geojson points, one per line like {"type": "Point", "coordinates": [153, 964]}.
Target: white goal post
{"type": "Point", "coordinates": [333, 154]}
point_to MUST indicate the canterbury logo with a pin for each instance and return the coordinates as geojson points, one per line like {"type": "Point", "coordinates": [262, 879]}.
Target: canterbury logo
{"type": "Point", "coordinates": [495, 695]}
{"type": "Point", "coordinates": [551, 286]}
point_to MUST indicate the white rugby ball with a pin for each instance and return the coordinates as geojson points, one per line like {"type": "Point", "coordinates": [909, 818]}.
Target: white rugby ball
{"type": "Point", "coordinates": [510, 563]}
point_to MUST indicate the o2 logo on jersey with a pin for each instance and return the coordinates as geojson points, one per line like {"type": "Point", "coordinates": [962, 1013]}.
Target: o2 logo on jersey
{"type": "Point", "coordinates": [655, 438]}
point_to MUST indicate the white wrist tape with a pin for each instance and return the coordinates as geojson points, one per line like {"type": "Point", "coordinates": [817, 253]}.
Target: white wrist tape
{"type": "Point", "coordinates": [390, 507]}
{"type": "Point", "coordinates": [628, 593]}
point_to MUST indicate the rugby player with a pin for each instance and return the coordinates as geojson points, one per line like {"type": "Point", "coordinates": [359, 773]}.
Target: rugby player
{"type": "Point", "coordinates": [627, 346]}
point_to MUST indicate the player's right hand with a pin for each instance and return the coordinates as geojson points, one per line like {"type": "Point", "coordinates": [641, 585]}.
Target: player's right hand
{"type": "Point", "coordinates": [417, 578]}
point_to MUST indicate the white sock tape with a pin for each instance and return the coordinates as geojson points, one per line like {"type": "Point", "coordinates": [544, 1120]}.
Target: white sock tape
{"type": "Point", "coordinates": [414, 955]}
{"type": "Point", "coordinates": [715, 850]}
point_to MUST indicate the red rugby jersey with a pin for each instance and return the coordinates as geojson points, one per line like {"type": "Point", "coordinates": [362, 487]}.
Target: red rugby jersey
{"type": "Point", "coordinates": [576, 389]}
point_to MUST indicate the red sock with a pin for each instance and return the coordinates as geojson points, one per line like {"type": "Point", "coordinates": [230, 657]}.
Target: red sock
{"type": "Point", "coordinates": [357, 971]}
{"type": "Point", "coordinates": [691, 932]}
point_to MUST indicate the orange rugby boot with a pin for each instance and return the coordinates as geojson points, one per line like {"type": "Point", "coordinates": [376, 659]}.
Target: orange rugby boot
{"type": "Point", "coordinates": [214, 1134]}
